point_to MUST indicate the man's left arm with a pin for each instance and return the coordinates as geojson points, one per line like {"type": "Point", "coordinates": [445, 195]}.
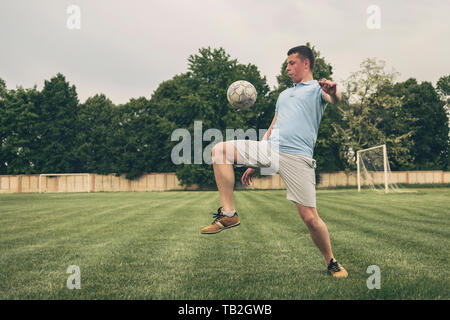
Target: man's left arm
{"type": "Point", "coordinates": [329, 91]}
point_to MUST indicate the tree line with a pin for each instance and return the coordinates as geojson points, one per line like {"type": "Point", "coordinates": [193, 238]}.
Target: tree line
{"type": "Point", "coordinates": [50, 131]}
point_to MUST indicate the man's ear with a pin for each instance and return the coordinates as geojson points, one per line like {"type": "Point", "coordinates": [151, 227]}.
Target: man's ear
{"type": "Point", "coordinates": [307, 63]}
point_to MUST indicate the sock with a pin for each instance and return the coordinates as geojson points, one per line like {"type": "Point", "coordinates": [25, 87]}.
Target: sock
{"type": "Point", "coordinates": [229, 214]}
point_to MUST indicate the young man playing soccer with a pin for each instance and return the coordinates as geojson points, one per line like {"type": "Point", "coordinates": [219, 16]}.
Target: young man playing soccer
{"type": "Point", "coordinates": [287, 148]}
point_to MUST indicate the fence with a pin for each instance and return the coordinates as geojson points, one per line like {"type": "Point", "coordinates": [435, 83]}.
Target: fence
{"type": "Point", "coordinates": [91, 183]}
{"type": "Point", "coordinates": [404, 177]}
{"type": "Point", "coordinates": [169, 181]}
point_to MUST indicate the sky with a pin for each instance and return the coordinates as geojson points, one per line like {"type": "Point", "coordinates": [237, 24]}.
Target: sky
{"type": "Point", "coordinates": [125, 49]}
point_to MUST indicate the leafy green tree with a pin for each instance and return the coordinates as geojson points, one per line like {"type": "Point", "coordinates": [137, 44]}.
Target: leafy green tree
{"type": "Point", "coordinates": [2, 86]}
{"type": "Point", "coordinates": [430, 139]}
{"type": "Point", "coordinates": [94, 123]}
{"type": "Point", "coordinates": [443, 86]}
{"type": "Point", "coordinates": [139, 140]}
{"type": "Point", "coordinates": [17, 129]}
{"type": "Point", "coordinates": [200, 94]}
{"type": "Point", "coordinates": [57, 127]}
{"type": "Point", "coordinates": [4, 132]}
{"type": "Point", "coordinates": [443, 89]}
{"type": "Point", "coordinates": [370, 116]}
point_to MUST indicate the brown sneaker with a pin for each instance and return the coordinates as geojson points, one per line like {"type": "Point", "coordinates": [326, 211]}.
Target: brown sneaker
{"type": "Point", "coordinates": [336, 269]}
{"type": "Point", "coordinates": [221, 222]}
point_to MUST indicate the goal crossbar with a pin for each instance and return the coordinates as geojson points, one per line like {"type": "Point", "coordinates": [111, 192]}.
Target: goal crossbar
{"type": "Point", "coordinates": [368, 149]}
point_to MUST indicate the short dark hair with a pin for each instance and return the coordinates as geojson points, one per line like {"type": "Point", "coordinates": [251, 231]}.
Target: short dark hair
{"type": "Point", "coordinates": [304, 52]}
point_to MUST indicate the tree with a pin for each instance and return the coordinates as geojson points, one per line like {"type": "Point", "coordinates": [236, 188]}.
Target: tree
{"type": "Point", "coordinates": [443, 89]}
{"type": "Point", "coordinates": [430, 139]}
{"type": "Point", "coordinates": [443, 86]}
{"type": "Point", "coordinates": [2, 86]}
{"type": "Point", "coordinates": [57, 127]}
{"type": "Point", "coordinates": [369, 116]}
{"type": "Point", "coordinates": [140, 139]}
{"type": "Point", "coordinates": [200, 94]}
{"type": "Point", "coordinates": [94, 123]}
{"type": "Point", "coordinates": [18, 129]}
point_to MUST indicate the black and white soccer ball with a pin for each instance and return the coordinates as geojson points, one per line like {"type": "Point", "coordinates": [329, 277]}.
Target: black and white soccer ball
{"type": "Point", "coordinates": [241, 94]}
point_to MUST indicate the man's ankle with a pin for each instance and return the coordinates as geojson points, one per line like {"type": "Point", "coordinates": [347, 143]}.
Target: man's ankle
{"type": "Point", "coordinates": [328, 260]}
{"type": "Point", "coordinates": [228, 213]}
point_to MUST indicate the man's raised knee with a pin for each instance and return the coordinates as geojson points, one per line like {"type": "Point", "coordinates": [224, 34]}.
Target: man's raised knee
{"type": "Point", "coordinates": [218, 153]}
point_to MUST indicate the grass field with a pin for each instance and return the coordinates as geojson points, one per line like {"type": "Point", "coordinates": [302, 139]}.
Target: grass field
{"type": "Point", "coordinates": [148, 246]}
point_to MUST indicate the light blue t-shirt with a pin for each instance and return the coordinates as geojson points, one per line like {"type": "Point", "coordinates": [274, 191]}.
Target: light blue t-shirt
{"type": "Point", "coordinates": [299, 110]}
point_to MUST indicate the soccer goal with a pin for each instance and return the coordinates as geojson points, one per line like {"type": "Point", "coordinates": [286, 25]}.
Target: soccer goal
{"type": "Point", "coordinates": [64, 182]}
{"type": "Point", "coordinates": [373, 169]}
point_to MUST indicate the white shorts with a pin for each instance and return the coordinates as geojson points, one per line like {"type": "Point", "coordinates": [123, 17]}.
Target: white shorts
{"type": "Point", "coordinates": [297, 171]}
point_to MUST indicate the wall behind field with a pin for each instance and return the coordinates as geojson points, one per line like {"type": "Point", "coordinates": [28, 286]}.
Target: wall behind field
{"type": "Point", "coordinates": [169, 181]}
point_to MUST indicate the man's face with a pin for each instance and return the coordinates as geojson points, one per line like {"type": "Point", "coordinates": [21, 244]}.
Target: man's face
{"type": "Point", "coordinates": [296, 67]}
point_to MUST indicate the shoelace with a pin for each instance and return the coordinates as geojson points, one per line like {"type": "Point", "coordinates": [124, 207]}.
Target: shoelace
{"type": "Point", "coordinates": [334, 266]}
{"type": "Point", "coordinates": [218, 215]}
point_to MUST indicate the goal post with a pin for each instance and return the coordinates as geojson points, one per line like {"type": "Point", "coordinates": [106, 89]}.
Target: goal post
{"type": "Point", "coordinates": [386, 185]}
{"type": "Point", "coordinates": [85, 187]}
{"type": "Point", "coordinates": [373, 168]}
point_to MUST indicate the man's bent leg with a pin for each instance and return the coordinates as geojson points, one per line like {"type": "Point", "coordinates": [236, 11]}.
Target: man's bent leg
{"type": "Point", "coordinates": [317, 229]}
{"type": "Point", "coordinates": [224, 155]}
{"type": "Point", "coordinates": [226, 216]}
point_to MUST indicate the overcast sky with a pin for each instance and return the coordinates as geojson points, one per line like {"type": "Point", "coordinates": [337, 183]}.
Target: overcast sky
{"type": "Point", "coordinates": [125, 49]}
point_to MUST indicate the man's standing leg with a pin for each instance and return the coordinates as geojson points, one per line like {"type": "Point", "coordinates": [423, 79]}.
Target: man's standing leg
{"type": "Point", "coordinates": [317, 229]}
{"type": "Point", "coordinates": [321, 238]}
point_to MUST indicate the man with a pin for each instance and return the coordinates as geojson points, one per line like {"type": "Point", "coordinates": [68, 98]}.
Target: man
{"type": "Point", "coordinates": [287, 147]}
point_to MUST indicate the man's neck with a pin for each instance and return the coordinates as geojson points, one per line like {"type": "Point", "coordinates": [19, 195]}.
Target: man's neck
{"type": "Point", "coordinates": [309, 77]}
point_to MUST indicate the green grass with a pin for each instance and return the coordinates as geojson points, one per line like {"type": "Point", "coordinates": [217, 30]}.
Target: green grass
{"type": "Point", "coordinates": [148, 246]}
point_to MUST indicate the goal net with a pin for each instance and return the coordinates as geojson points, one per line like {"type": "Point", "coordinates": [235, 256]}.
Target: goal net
{"type": "Point", "coordinates": [64, 182]}
{"type": "Point", "coordinates": [373, 170]}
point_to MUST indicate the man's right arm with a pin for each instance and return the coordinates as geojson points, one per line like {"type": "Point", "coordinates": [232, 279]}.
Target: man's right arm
{"type": "Point", "coordinates": [269, 131]}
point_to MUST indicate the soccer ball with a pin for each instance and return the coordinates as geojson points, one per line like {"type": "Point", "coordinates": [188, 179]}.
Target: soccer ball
{"type": "Point", "coordinates": [241, 94]}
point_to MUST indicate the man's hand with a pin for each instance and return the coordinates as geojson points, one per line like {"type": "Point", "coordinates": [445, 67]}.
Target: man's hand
{"type": "Point", "coordinates": [330, 91]}
{"type": "Point", "coordinates": [247, 176]}
{"type": "Point", "coordinates": [328, 86]}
